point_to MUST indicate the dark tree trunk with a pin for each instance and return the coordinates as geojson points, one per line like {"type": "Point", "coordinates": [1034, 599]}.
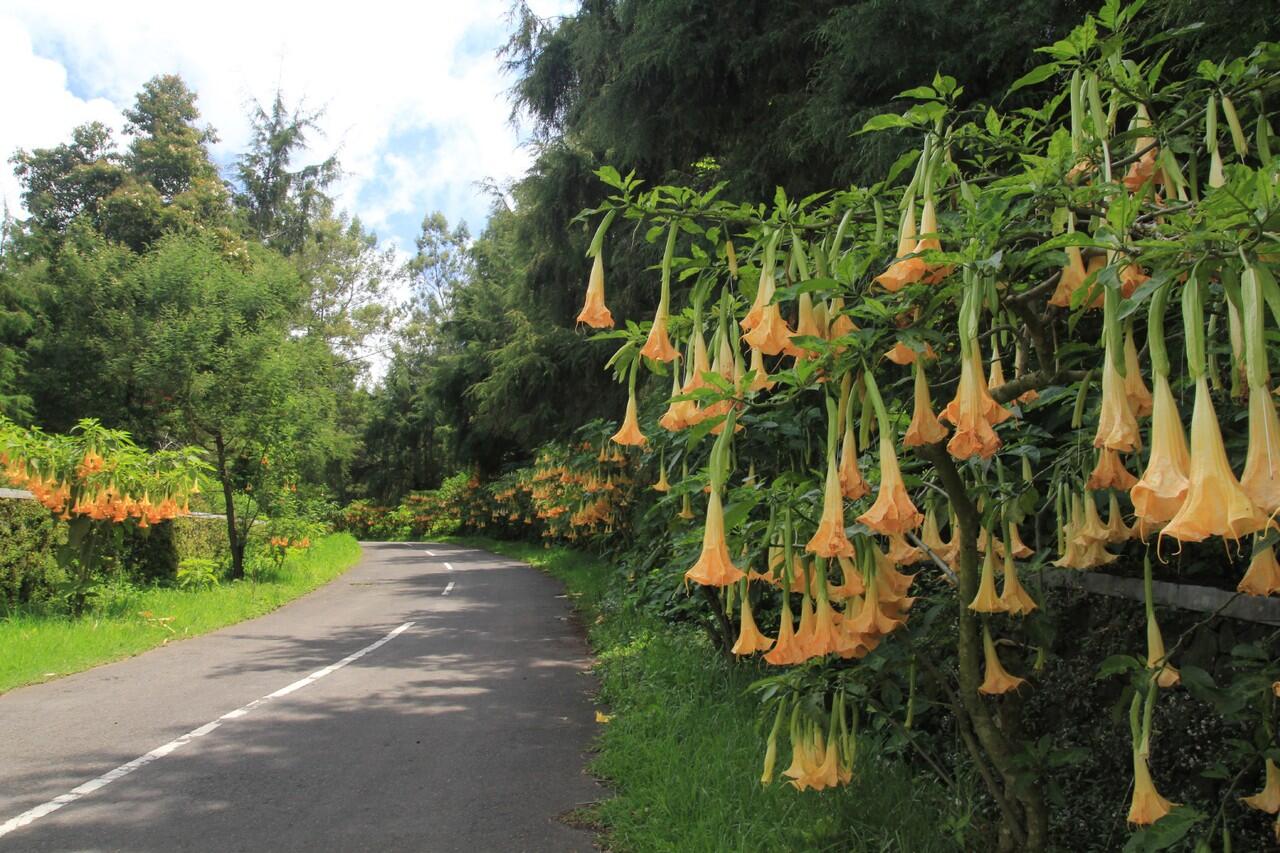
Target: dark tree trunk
{"type": "Point", "coordinates": [234, 540]}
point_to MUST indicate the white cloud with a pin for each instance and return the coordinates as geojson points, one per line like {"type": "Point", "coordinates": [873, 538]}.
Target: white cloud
{"type": "Point", "coordinates": [414, 98]}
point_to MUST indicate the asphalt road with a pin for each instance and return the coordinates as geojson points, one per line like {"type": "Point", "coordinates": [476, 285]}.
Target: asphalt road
{"type": "Point", "coordinates": [330, 724]}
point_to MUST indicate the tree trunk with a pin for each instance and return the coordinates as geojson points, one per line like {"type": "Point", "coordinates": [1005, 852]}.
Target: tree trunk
{"type": "Point", "coordinates": [234, 540]}
{"type": "Point", "coordinates": [1025, 818]}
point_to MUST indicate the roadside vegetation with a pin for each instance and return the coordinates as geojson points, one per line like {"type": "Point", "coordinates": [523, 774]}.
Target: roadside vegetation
{"type": "Point", "coordinates": [124, 619]}
{"type": "Point", "coordinates": [681, 748]}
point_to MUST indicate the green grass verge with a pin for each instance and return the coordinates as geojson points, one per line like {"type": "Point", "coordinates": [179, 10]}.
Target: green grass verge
{"type": "Point", "coordinates": [40, 647]}
{"type": "Point", "coordinates": [684, 749]}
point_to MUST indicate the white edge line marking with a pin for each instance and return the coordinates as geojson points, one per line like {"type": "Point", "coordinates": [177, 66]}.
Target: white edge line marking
{"type": "Point", "coordinates": [428, 553]}
{"type": "Point", "coordinates": [34, 814]}
{"type": "Point", "coordinates": [448, 588]}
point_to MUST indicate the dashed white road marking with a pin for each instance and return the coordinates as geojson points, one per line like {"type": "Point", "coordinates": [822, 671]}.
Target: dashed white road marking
{"type": "Point", "coordinates": [428, 553]}
{"type": "Point", "coordinates": [34, 814]}
{"type": "Point", "coordinates": [448, 588]}
{"type": "Point", "coordinates": [448, 566]}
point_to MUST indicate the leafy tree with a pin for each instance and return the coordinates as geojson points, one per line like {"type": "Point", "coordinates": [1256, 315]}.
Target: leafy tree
{"type": "Point", "coordinates": [282, 204]}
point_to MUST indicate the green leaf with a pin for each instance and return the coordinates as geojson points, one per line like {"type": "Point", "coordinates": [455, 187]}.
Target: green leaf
{"type": "Point", "coordinates": [1036, 75]}
{"type": "Point", "coordinates": [884, 121]}
{"type": "Point", "coordinates": [923, 93]}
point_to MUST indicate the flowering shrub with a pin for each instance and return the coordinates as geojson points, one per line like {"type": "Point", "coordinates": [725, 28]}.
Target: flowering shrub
{"type": "Point", "coordinates": [903, 401]}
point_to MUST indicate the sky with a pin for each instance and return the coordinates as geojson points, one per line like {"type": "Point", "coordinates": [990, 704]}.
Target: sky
{"type": "Point", "coordinates": [414, 99]}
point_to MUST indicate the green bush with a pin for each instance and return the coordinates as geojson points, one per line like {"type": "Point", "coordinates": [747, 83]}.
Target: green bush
{"type": "Point", "coordinates": [28, 570]}
{"type": "Point", "coordinates": [198, 573]}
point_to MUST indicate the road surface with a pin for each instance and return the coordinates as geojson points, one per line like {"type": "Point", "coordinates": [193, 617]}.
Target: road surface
{"type": "Point", "coordinates": [433, 698]}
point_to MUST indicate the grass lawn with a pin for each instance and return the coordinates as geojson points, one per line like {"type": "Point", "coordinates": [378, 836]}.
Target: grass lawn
{"type": "Point", "coordinates": [39, 647]}
{"type": "Point", "coordinates": [684, 749]}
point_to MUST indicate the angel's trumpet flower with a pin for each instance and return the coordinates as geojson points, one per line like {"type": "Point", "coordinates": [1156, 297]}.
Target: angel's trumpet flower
{"type": "Point", "coordinates": [929, 534]}
{"type": "Point", "coordinates": [892, 512]}
{"type": "Point", "coordinates": [904, 270]}
{"type": "Point", "coordinates": [824, 638]}
{"type": "Point", "coordinates": [629, 433]}
{"type": "Point", "coordinates": [841, 324]}
{"type": "Point", "coordinates": [1117, 530]}
{"type": "Point", "coordinates": [997, 680]}
{"type": "Point", "coordinates": [714, 566]}
{"type": "Point", "coordinates": [986, 601]}
{"type": "Point", "coordinates": [1161, 492]}
{"type": "Point", "coordinates": [1261, 477]}
{"type": "Point", "coordinates": [594, 313]}
{"type": "Point", "coordinates": [1268, 799]}
{"type": "Point", "coordinates": [830, 539]}
{"type": "Point", "coordinates": [764, 295]}
{"type": "Point", "coordinates": [852, 484]}
{"type": "Point", "coordinates": [1071, 278]}
{"type": "Point", "coordinates": [760, 381]}
{"type": "Point", "coordinates": [1144, 168]}
{"type": "Point", "coordinates": [1216, 505]}
{"type": "Point", "coordinates": [1147, 805]}
{"type": "Point", "coordinates": [771, 335]}
{"type": "Point", "coordinates": [804, 632]}
{"type": "Point", "coordinates": [925, 427]}
{"type": "Point", "coordinates": [771, 749]}
{"type": "Point", "coordinates": [851, 585]}
{"type": "Point", "coordinates": [974, 435]}
{"type": "Point", "coordinates": [1263, 576]}
{"type": "Point", "coordinates": [872, 620]}
{"type": "Point", "coordinates": [1117, 427]}
{"type": "Point", "coordinates": [934, 273]}
{"type": "Point", "coordinates": [1140, 400]}
{"type": "Point", "coordinates": [786, 650]}
{"type": "Point", "coordinates": [679, 412]}
{"type": "Point", "coordinates": [1016, 600]}
{"type": "Point", "coordinates": [903, 355]}
{"type": "Point", "coordinates": [1110, 472]}
{"type": "Point", "coordinates": [658, 345]}
{"type": "Point", "coordinates": [750, 640]}
{"type": "Point", "coordinates": [662, 485]}
{"type": "Point", "coordinates": [1131, 277]}
{"type": "Point", "coordinates": [903, 553]}
{"type": "Point", "coordinates": [1156, 655]}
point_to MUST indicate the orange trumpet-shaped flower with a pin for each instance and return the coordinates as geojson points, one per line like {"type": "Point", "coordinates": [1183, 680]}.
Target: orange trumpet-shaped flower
{"type": "Point", "coordinates": [852, 484]}
{"type": "Point", "coordinates": [902, 354]}
{"type": "Point", "coordinates": [662, 485]}
{"type": "Point", "coordinates": [1117, 427]}
{"type": "Point", "coordinates": [1161, 492]}
{"type": "Point", "coordinates": [1268, 799]}
{"type": "Point", "coordinates": [714, 566]}
{"type": "Point", "coordinates": [1263, 576]}
{"type": "Point", "coordinates": [996, 413]}
{"type": "Point", "coordinates": [701, 365]}
{"type": "Point", "coordinates": [1110, 472]}
{"type": "Point", "coordinates": [872, 620]}
{"type": "Point", "coordinates": [841, 324]}
{"type": "Point", "coordinates": [1140, 400]}
{"type": "Point", "coordinates": [934, 273]}
{"type": "Point", "coordinates": [974, 435]}
{"type": "Point", "coordinates": [1156, 656]}
{"type": "Point", "coordinates": [925, 427]}
{"type": "Point", "coordinates": [679, 412]}
{"type": "Point", "coordinates": [629, 433]}
{"type": "Point", "coordinates": [761, 380]}
{"type": "Point", "coordinates": [903, 553]}
{"type": "Point", "coordinates": [594, 313]}
{"type": "Point", "coordinates": [851, 585]}
{"type": "Point", "coordinates": [1017, 601]}
{"type": "Point", "coordinates": [1261, 477]}
{"type": "Point", "coordinates": [750, 640]}
{"type": "Point", "coordinates": [786, 650]}
{"type": "Point", "coordinates": [804, 632]}
{"type": "Point", "coordinates": [904, 270]}
{"type": "Point", "coordinates": [1147, 805]}
{"type": "Point", "coordinates": [1117, 530]}
{"type": "Point", "coordinates": [1131, 276]}
{"type": "Point", "coordinates": [997, 679]}
{"type": "Point", "coordinates": [929, 533]}
{"type": "Point", "coordinates": [824, 638]}
{"type": "Point", "coordinates": [986, 601]}
{"type": "Point", "coordinates": [764, 295]}
{"type": "Point", "coordinates": [830, 539]}
{"type": "Point", "coordinates": [1072, 277]}
{"type": "Point", "coordinates": [1216, 505]}
{"type": "Point", "coordinates": [772, 335]}
{"type": "Point", "coordinates": [892, 512]}
{"type": "Point", "coordinates": [658, 345]}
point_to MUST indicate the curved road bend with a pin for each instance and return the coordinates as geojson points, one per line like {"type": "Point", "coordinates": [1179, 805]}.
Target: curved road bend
{"type": "Point", "coordinates": [433, 698]}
